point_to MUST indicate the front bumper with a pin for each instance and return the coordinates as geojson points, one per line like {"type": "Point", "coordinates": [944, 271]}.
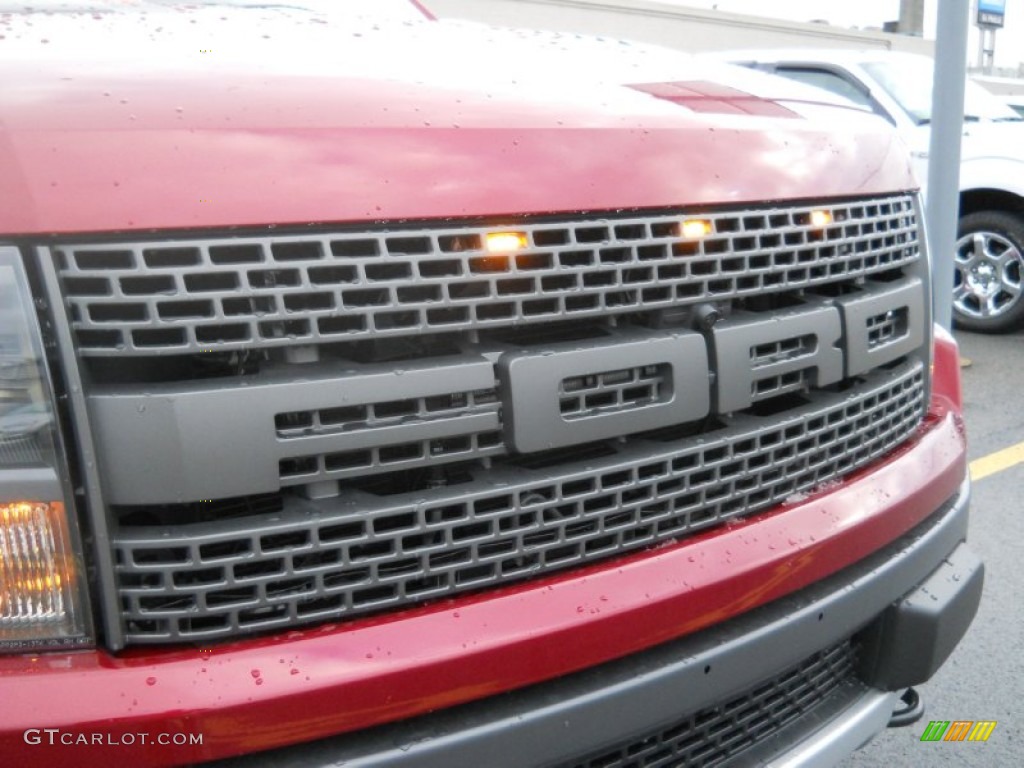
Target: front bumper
{"type": "Point", "coordinates": [650, 638]}
{"type": "Point", "coordinates": [628, 705]}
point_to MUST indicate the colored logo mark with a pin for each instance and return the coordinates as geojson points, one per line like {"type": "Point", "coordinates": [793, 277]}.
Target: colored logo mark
{"type": "Point", "coordinates": [958, 730]}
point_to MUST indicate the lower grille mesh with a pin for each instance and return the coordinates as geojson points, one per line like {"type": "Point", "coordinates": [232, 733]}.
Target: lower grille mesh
{"type": "Point", "coordinates": [713, 735]}
{"type": "Point", "coordinates": [359, 553]}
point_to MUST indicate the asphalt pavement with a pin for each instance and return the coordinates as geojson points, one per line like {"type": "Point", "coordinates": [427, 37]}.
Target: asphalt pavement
{"type": "Point", "coordinates": [984, 678]}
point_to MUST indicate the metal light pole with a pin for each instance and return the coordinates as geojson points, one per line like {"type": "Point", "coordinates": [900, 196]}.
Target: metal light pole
{"type": "Point", "coordinates": [942, 201]}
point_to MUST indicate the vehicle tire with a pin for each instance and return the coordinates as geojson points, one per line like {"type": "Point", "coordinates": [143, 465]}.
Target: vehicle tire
{"type": "Point", "coordinates": [988, 268]}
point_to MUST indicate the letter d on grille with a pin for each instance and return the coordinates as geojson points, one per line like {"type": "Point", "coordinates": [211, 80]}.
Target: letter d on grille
{"type": "Point", "coordinates": [573, 393]}
{"type": "Point", "coordinates": [882, 324]}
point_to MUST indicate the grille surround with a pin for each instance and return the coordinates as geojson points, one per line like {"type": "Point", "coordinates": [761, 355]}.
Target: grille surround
{"type": "Point", "coordinates": [192, 296]}
{"type": "Point", "coordinates": [359, 554]}
{"type": "Point", "coordinates": [846, 265]}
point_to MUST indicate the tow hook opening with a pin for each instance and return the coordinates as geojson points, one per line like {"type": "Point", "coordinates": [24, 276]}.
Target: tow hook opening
{"type": "Point", "coordinates": [908, 711]}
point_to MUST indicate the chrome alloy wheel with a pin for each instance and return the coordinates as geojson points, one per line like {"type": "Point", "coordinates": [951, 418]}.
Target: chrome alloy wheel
{"type": "Point", "coordinates": [987, 279]}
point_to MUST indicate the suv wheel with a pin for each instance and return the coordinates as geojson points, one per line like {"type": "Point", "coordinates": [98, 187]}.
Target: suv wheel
{"type": "Point", "coordinates": [988, 295]}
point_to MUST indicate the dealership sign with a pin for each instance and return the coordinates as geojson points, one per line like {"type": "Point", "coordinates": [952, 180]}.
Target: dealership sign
{"type": "Point", "coordinates": [991, 13]}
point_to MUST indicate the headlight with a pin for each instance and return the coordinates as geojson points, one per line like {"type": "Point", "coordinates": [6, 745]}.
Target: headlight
{"type": "Point", "coordinates": [42, 581]}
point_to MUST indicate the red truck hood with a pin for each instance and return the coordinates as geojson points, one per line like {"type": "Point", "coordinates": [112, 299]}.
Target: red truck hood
{"type": "Point", "coordinates": [216, 117]}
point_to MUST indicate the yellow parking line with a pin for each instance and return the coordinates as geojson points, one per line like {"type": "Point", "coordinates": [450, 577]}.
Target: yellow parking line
{"type": "Point", "coordinates": [997, 462]}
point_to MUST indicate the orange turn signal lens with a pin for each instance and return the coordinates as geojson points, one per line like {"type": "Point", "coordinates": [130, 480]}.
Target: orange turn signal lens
{"type": "Point", "coordinates": [38, 578]}
{"type": "Point", "coordinates": [43, 598]}
{"type": "Point", "coordinates": [695, 229]}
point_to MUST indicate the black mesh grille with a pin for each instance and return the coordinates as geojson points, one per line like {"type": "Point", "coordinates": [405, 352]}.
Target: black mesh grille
{"type": "Point", "coordinates": [396, 451]}
{"type": "Point", "coordinates": [359, 552]}
{"type": "Point", "coordinates": [713, 735]}
{"type": "Point", "coordinates": [197, 295]}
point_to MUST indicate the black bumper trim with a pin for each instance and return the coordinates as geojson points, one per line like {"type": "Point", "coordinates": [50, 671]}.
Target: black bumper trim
{"type": "Point", "coordinates": [562, 720]}
{"type": "Point", "coordinates": [914, 637]}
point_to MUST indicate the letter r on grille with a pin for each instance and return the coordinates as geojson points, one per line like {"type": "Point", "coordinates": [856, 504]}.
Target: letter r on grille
{"type": "Point", "coordinates": [574, 393]}
{"type": "Point", "coordinates": [758, 357]}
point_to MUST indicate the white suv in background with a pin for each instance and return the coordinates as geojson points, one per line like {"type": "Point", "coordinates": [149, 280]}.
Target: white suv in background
{"type": "Point", "coordinates": [988, 294]}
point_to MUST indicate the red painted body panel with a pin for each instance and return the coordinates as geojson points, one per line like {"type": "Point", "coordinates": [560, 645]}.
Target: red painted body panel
{"type": "Point", "coordinates": [182, 132]}
{"type": "Point", "coordinates": [191, 137]}
{"type": "Point", "coordinates": [304, 685]}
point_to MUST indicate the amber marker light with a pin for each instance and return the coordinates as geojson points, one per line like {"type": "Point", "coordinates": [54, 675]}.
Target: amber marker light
{"type": "Point", "coordinates": [38, 579]}
{"type": "Point", "coordinates": [505, 242]}
{"type": "Point", "coordinates": [43, 597]}
{"type": "Point", "coordinates": [695, 229]}
{"type": "Point", "coordinates": [820, 219]}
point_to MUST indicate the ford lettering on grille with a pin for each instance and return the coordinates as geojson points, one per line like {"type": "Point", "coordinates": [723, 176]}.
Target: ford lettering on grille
{"type": "Point", "coordinates": [751, 358]}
